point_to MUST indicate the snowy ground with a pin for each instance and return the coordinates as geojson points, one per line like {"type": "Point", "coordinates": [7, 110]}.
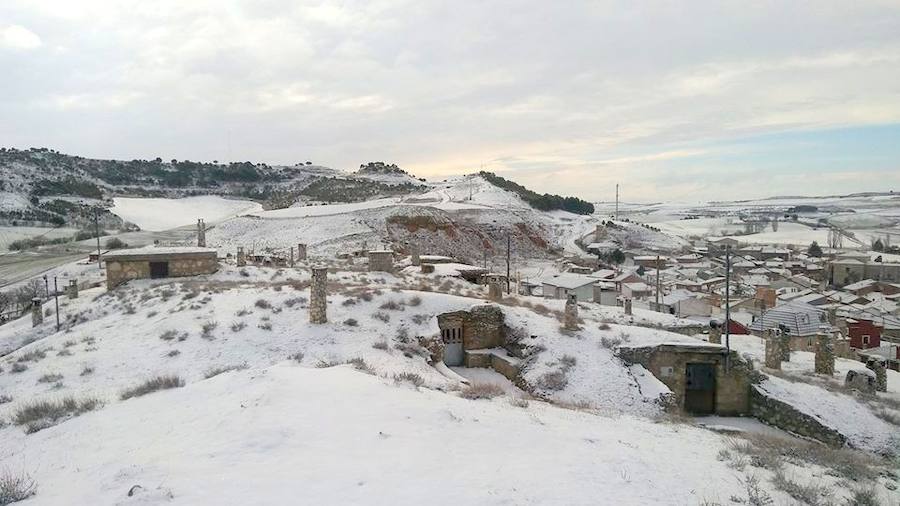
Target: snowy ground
{"type": "Point", "coordinates": [10, 234]}
{"type": "Point", "coordinates": [157, 214]}
{"type": "Point", "coordinates": [285, 426]}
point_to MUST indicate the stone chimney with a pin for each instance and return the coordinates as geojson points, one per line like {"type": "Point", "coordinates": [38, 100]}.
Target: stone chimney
{"type": "Point", "coordinates": [241, 257]}
{"type": "Point", "coordinates": [627, 304]}
{"type": "Point", "coordinates": [72, 289]}
{"type": "Point", "coordinates": [773, 349]}
{"type": "Point", "coordinates": [414, 254]}
{"type": "Point", "coordinates": [878, 366]}
{"type": "Point", "coordinates": [201, 233]}
{"type": "Point", "coordinates": [37, 313]}
{"type": "Point", "coordinates": [715, 332]}
{"type": "Point", "coordinates": [301, 251]}
{"type": "Point", "coordinates": [824, 352]}
{"type": "Point", "coordinates": [570, 316]}
{"type": "Point", "coordinates": [318, 295]}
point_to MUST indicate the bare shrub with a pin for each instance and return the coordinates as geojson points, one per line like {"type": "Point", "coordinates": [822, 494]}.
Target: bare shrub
{"type": "Point", "coordinates": [65, 352]}
{"type": "Point", "coordinates": [366, 296]}
{"type": "Point", "coordinates": [263, 304]}
{"type": "Point", "coordinates": [265, 326]}
{"type": "Point", "coordinates": [610, 342]}
{"type": "Point", "coordinates": [381, 345]}
{"type": "Point", "coordinates": [32, 356]}
{"type": "Point", "coordinates": [568, 361]}
{"type": "Point", "coordinates": [50, 378]}
{"type": "Point", "coordinates": [409, 377]}
{"type": "Point", "coordinates": [215, 371]}
{"type": "Point", "coordinates": [69, 344]}
{"type": "Point", "coordinates": [173, 353]}
{"type": "Point", "coordinates": [39, 415]}
{"type": "Point", "coordinates": [238, 326]}
{"type": "Point", "coordinates": [168, 335]}
{"type": "Point", "coordinates": [183, 336]}
{"type": "Point", "coordinates": [151, 314]}
{"type": "Point", "coordinates": [87, 371]}
{"type": "Point", "coordinates": [207, 329]}
{"type": "Point", "coordinates": [351, 322]}
{"type": "Point", "coordinates": [481, 391]}
{"type": "Point", "coordinates": [863, 497]}
{"type": "Point", "coordinates": [242, 312]}
{"type": "Point", "coordinates": [414, 301]}
{"type": "Point", "coordinates": [244, 273]}
{"type": "Point", "coordinates": [18, 367]}
{"type": "Point", "coordinates": [348, 302]}
{"type": "Point", "coordinates": [381, 315]}
{"type": "Point", "coordinates": [554, 380]}
{"type": "Point", "coordinates": [420, 318]}
{"type": "Point", "coordinates": [296, 357]}
{"type": "Point", "coordinates": [152, 385]}
{"type": "Point", "coordinates": [756, 496]}
{"type": "Point", "coordinates": [360, 365]}
{"type": "Point", "coordinates": [392, 305]}
{"type": "Point", "coordinates": [603, 326]}
{"type": "Point", "coordinates": [5, 398]}
{"type": "Point", "coordinates": [518, 402]}
{"type": "Point", "coordinates": [814, 495]}
{"type": "Point", "coordinates": [16, 487]}
{"type": "Point", "coordinates": [294, 301]}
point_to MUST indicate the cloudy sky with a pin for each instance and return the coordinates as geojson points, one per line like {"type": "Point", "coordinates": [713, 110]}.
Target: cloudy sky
{"type": "Point", "coordinates": [687, 101]}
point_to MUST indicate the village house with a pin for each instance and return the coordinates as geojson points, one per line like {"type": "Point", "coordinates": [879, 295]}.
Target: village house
{"type": "Point", "coordinates": [561, 286]}
{"type": "Point", "coordinates": [863, 334]}
{"type": "Point", "coordinates": [636, 290]}
{"type": "Point", "coordinates": [802, 322]}
{"type": "Point", "coordinates": [650, 261]}
{"type": "Point", "coordinates": [154, 263]}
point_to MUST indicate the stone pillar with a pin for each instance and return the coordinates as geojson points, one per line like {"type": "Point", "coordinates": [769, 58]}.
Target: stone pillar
{"type": "Point", "coordinates": [599, 232]}
{"type": "Point", "coordinates": [495, 288]}
{"type": "Point", "coordinates": [292, 256]}
{"type": "Point", "coordinates": [414, 254]}
{"type": "Point", "coordinates": [72, 289]}
{"type": "Point", "coordinates": [628, 307]}
{"type": "Point", "coordinates": [37, 312]}
{"type": "Point", "coordinates": [570, 316]}
{"type": "Point", "coordinates": [715, 332]}
{"type": "Point", "coordinates": [773, 350]}
{"type": "Point", "coordinates": [241, 258]}
{"type": "Point", "coordinates": [878, 366]}
{"type": "Point", "coordinates": [784, 343]}
{"type": "Point", "coordinates": [318, 302]}
{"type": "Point", "coordinates": [301, 251]}
{"type": "Point", "coordinates": [824, 353]}
{"type": "Point", "coordinates": [201, 233]}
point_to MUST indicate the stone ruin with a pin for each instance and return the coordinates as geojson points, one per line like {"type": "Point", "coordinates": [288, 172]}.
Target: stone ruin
{"type": "Point", "coordinates": [495, 287]}
{"type": "Point", "coordinates": [570, 315]}
{"type": "Point", "coordinates": [773, 349]}
{"type": "Point", "coordinates": [37, 313]}
{"type": "Point", "coordinates": [241, 257]}
{"type": "Point", "coordinates": [72, 289]}
{"type": "Point", "coordinates": [201, 233]}
{"type": "Point", "coordinates": [381, 261]}
{"type": "Point", "coordinates": [879, 367]}
{"type": "Point", "coordinates": [715, 332]}
{"type": "Point", "coordinates": [861, 379]}
{"type": "Point", "coordinates": [824, 361]}
{"type": "Point", "coordinates": [318, 295]}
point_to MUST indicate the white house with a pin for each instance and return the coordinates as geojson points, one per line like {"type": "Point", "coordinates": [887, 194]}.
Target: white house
{"type": "Point", "coordinates": [562, 285]}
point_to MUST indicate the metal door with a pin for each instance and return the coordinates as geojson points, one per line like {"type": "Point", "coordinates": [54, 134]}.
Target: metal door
{"type": "Point", "coordinates": [453, 346]}
{"type": "Point", "coordinates": [159, 270]}
{"type": "Point", "coordinates": [700, 389]}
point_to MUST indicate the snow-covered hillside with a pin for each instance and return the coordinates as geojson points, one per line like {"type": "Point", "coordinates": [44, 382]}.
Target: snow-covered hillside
{"type": "Point", "coordinates": [156, 214]}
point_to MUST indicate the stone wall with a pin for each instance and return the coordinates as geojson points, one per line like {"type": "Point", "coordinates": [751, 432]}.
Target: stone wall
{"type": "Point", "coordinates": [119, 271]}
{"type": "Point", "coordinates": [483, 326]}
{"type": "Point", "coordinates": [318, 293]}
{"type": "Point", "coordinates": [786, 417]}
{"type": "Point", "coordinates": [382, 261]}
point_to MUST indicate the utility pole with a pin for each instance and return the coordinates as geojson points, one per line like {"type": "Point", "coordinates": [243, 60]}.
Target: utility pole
{"type": "Point", "coordinates": [617, 201]}
{"type": "Point", "coordinates": [657, 284]}
{"type": "Point", "coordinates": [97, 233]}
{"type": "Point", "coordinates": [507, 263]}
{"type": "Point", "coordinates": [727, 308]}
{"type": "Point", "coordinates": [56, 301]}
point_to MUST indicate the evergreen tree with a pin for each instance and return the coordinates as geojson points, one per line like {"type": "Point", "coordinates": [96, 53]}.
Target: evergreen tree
{"type": "Point", "coordinates": [814, 250]}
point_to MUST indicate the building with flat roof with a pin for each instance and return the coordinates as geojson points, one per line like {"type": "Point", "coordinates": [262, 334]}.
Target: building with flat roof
{"type": "Point", "coordinates": [153, 263]}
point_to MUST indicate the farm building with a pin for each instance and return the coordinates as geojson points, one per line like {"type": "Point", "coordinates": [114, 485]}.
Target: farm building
{"type": "Point", "coordinates": [153, 263]}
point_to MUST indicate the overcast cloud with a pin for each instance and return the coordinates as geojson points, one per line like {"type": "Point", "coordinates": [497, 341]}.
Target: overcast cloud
{"type": "Point", "coordinates": [688, 102]}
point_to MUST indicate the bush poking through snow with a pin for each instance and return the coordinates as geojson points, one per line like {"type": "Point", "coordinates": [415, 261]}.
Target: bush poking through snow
{"type": "Point", "coordinates": [152, 385]}
{"type": "Point", "coordinates": [87, 371]}
{"type": "Point", "coordinates": [382, 316]}
{"type": "Point", "coordinates": [296, 357]}
{"type": "Point", "coordinates": [814, 495]}
{"type": "Point", "coordinates": [392, 305]}
{"type": "Point", "coordinates": [360, 365]}
{"type": "Point", "coordinates": [351, 322]}
{"type": "Point", "coordinates": [242, 312]}
{"type": "Point", "coordinates": [414, 301]}
{"type": "Point", "coordinates": [238, 326]}
{"type": "Point", "coordinates": [215, 371]}
{"type": "Point", "coordinates": [39, 415]}
{"type": "Point", "coordinates": [15, 487]}
{"type": "Point", "coordinates": [864, 497]}
{"type": "Point", "coordinates": [18, 367]}
{"type": "Point", "coordinates": [173, 353]}
{"type": "Point", "coordinates": [50, 378]}
{"type": "Point", "coordinates": [168, 335]}
{"type": "Point", "coordinates": [32, 356]}
{"type": "Point", "coordinates": [610, 342]}
{"type": "Point", "coordinates": [206, 331]}
{"type": "Point", "coordinates": [568, 361]}
{"type": "Point", "coordinates": [554, 380]}
{"type": "Point", "coordinates": [409, 377]}
{"type": "Point", "coordinates": [265, 326]}
{"type": "Point", "coordinates": [263, 304]}
{"type": "Point", "coordinates": [381, 345]}
{"type": "Point", "coordinates": [5, 398]}
{"type": "Point", "coordinates": [65, 352]}
{"type": "Point", "coordinates": [481, 391]}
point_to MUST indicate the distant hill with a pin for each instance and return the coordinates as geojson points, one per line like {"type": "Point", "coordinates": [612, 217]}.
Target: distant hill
{"type": "Point", "coordinates": [545, 202]}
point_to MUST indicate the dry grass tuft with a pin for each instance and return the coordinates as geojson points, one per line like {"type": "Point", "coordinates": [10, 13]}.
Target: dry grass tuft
{"type": "Point", "coordinates": [481, 391]}
{"type": "Point", "coordinates": [152, 385]}
{"type": "Point", "coordinates": [409, 377]}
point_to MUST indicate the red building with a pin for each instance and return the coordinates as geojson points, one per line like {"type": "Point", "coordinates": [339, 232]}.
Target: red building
{"type": "Point", "coordinates": [863, 334]}
{"type": "Point", "coordinates": [737, 328]}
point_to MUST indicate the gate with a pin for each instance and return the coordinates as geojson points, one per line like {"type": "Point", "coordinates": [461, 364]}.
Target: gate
{"type": "Point", "coordinates": [700, 389]}
{"type": "Point", "coordinates": [453, 346]}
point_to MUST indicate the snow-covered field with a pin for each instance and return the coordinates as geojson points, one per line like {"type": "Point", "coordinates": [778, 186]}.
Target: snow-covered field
{"type": "Point", "coordinates": [157, 214]}
{"type": "Point", "coordinates": [10, 234]}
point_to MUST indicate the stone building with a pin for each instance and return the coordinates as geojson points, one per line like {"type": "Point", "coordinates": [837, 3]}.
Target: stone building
{"type": "Point", "coordinates": [695, 373]}
{"type": "Point", "coordinates": [152, 263]}
{"type": "Point", "coordinates": [381, 260]}
{"type": "Point", "coordinates": [477, 338]}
